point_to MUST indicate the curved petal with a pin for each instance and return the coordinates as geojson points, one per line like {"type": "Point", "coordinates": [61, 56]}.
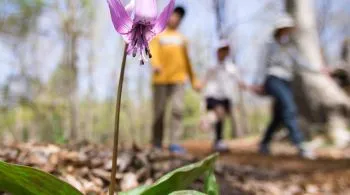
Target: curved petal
{"type": "Point", "coordinates": [145, 10]}
{"type": "Point", "coordinates": [149, 35]}
{"type": "Point", "coordinates": [127, 37]}
{"type": "Point", "coordinates": [130, 7]}
{"type": "Point", "coordinates": [120, 18]}
{"type": "Point", "coordinates": [163, 18]}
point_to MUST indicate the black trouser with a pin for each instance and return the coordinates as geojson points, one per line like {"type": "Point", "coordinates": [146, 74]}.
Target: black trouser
{"type": "Point", "coordinates": [212, 103]}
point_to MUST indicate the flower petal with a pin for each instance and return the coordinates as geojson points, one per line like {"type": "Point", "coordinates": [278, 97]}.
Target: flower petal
{"type": "Point", "coordinates": [130, 7]}
{"type": "Point", "coordinates": [120, 18]}
{"type": "Point", "coordinates": [149, 35]}
{"type": "Point", "coordinates": [145, 10]}
{"type": "Point", "coordinates": [163, 18]}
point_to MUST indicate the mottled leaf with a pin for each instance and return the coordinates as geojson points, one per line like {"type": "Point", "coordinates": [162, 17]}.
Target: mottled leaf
{"type": "Point", "coordinates": [17, 179]}
{"type": "Point", "coordinates": [178, 179]}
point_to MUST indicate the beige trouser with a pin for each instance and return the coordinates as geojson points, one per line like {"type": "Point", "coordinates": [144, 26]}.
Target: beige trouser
{"type": "Point", "coordinates": [162, 95]}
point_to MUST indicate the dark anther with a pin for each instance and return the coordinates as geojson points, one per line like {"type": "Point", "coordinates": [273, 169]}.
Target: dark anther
{"type": "Point", "coordinates": [148, 53]}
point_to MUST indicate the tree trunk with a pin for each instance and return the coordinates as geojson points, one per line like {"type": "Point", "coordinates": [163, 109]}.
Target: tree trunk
{"type": "Point", "coordinates": [73, 99]}
{"type": "Point", "coordinates": [72, 37]}
{"type": "Point", "coordinates": [318, 96]}
{"type": "Point", "coordinates": [90, 112]}
{"type": "Point", "coordinates": [71, 74]}
{"type": "Point", "coordinates": [345, 54]}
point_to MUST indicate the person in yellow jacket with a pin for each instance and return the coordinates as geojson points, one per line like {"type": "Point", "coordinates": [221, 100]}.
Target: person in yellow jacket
{"type": "Point", "coordinates": [171, 69]}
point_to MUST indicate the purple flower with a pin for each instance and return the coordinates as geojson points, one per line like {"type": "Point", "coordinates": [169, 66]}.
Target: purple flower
{"type": "Point", "coordinates": [138, 23]}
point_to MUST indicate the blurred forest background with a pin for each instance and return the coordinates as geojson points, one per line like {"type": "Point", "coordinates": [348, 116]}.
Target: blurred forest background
{"type": "Point", "coordinates": [59, 62]}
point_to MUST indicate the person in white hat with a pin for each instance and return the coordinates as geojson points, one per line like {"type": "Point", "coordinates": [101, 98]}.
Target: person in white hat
{"type": "Point", "coordinates": [281, 60]}
{"type": "Point", "coordinates": [220, 90]}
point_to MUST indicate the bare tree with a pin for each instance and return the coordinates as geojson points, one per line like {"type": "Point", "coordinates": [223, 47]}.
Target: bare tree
{"type": "Point", "coordinates": [319, 98]}
{"type": "Point", "coordinates": [219, 6]}
{"type": "Point", "coordinates": [223, 33]}
{"type": "Point", "coordinates": [332, 24]}
{"type": "Point", "coordinates": [20, 33]}
{"type": "Point", "coordinates": [74, 17]}
{"type": "Point", "coordinates": [91, 36]}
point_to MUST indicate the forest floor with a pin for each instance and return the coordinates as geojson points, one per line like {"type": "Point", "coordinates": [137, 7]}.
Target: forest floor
{"type": "Point", "coordinates": [244, 171]}
{"type": "Point", "coordinates": [240, 171]}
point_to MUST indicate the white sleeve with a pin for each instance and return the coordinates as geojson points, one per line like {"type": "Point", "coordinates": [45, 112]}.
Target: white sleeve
{"type": "Point", "coordinates": [232, 71]}
{"type": "Point", "coordinates": [207, 74]}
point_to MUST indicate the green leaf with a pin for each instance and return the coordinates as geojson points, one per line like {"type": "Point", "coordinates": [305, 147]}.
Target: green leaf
{"type": "Point", "coordinates": [176, 180]}
{"type": "Point", "coordinates": [187, 192]}
{"type": "Point", "coordinates": [136, 191]}
{"type": "Point", "coordinates": [16, 179]}
{"type": "Point", "coordinates": [181, 178]}
{"type": "Point", "coordinates": [211, 185]}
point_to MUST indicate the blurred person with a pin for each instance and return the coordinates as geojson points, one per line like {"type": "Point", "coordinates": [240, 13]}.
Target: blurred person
{"type": "Point", "coordinates": [220, 85]}
{"type": "Point", "coordinates": [171, 69]}
{"type": "Point", "coordinates": [281, 61]}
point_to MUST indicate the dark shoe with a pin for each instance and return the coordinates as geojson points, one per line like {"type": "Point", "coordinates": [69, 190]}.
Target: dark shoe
{"type": "Point", "coordinates": [264, 149]}
{"type": "Point", "coordinates": [177, 149]}
{"type": "Point", "coordinates": [157, 146]}
{"type": "Point", "coordinates": [220, 146]}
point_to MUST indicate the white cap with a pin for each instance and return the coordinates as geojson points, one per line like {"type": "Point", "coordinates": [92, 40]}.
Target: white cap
{"type": "Point", "coordinates": [284, 21]}
{"type": "Point", "coordinates": [223, 43]}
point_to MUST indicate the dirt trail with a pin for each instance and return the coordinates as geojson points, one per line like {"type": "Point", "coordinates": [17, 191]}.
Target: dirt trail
{"type": "Point", "coordinates": [243, 171]}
